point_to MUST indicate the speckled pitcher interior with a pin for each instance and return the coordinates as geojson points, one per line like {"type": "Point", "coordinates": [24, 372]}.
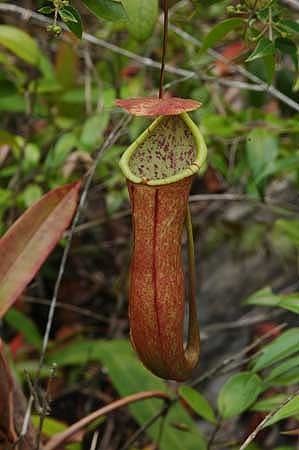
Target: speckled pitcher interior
{"type": "Point", "coordinates": [169, 149]}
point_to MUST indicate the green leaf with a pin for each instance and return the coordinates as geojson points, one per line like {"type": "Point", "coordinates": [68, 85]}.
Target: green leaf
{"type": "Point", "coordinates": [218, 32]}
{"type": "Point", "coordinates": [269, 62]}
{"type": "Point", "coordinates": [61, 150]}
{"type": "Point", "coordinates": [284, 345]}
{"type": "Point", "coordinates": [118, 356]}
{"type": "Point", "coordinates": [106, 9]}
{"type": "Point", "coordinates": [268, 404]}
{"type": "Point", "coordinates": [77, 352]}
{"type": "Point", "coordinates": [263, 9]}
{"type": "Point", "coordinates": [93, 130]}
{"type": "Point", "coordinates": [7, 138]}
{"type": "Point", "coordinates": [67, 15]}
{"type": "Point", "coordinates": [290, 163]}
{"type": "Point", "coordinates": [129, 376]}
{"type": "Point", "coordinates": [287, 378]}
{"type": "Point", "coordinates": [198, 403]}
{"type": "Point", "coordinates": [73, 20]}
{"type": "Point", "coordinates": [283, 371]}
{"type": "Point", "coordinates": [31, 194]}
{"type": "Point", "coordinates": [286, 46]}
{"type": "Point", "coordinates": [265, 297]}
{"type": "Point", "coordinates": [46, 10]}
{"type": "Point", "coordinates": [285, 447]}
{"type": "Point", "coordinates": [13, 103]}
{"type": "Point", "coordinates": [290, 228]}
{"type": "Point", "coordinates": [251, 446]}
{"type": "Point", "coordinates": [289, 26]}
{"type": "Point", "coordinates": [142, 17]}
{"type": "Point", "coordinates": [264, 47]}
{"type": "Point", "coordinates": [290, 302]}
{"type": "Point", "coordinates": [20, 43]}
{"type": "Point", "coordinates": [25, 326]}
{"type": "Point", "coordinates": [31, 367]}
{"type": "Point", "coordinates": [238, 394]}
{"type": "Point", "coordinates": [261, 150]}
{"type": "Point", "coordinates": [31, 157]}
{"type": "Point", "coordinates": [289, 410]}
{"type": "Point", "coordinates": [50, 426]}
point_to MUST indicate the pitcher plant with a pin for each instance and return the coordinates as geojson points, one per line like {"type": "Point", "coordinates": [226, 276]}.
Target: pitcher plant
{"type": "Point", "coordinates": [159, 167]}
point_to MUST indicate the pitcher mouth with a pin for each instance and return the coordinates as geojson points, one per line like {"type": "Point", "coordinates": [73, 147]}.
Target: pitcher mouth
{"type": "Point", "coordinates": [170, 149]}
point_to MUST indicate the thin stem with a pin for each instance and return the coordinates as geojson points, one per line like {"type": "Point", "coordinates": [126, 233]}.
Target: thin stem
{"type": "Point", "coordinates": [225, 362]}
{"type": "Point", "coordinates": [161, 413]}
{"type": "Point", "coordinates": [60, 438]}
{"type": "Point", "coordinates": [269, 416]}
{"type": "Point", "coordinates": [27, 15]}
{"type": "Point", "coordinates": [111, 139]}
{"type": "Point", "coordinates": [270, 25]}
{"type": "Point", "coordinates": [165, 34]}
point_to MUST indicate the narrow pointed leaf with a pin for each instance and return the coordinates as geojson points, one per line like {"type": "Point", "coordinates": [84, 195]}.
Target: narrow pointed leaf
{"type": "Point", "coordinates": [29, 241]}
{"type": "Point", "coordinates": [73, 20]}
{"type": "Point", "coordinates": [142, 17]}
{"type": "Point", "coordinates": [289, 410]}
{"type": "Point", "coordinates": [289, 26]}
{"type": "Point", "coordinates": [238, 394]}
{"type": "Point", "coordinates": [264, 47]}
{"type": "Point", "coordinates": [284, 373]}
{"type": "Point", "coordinates": [25, 326]}
{"type": "Point", "coordinates": [288, 47]}
{"type": "Point", "coordinates": [265, 297]}
{"type": "Point", "coordinates": [268, 404]}
{"type": "Point", "coordinates": [129, 376]}
{"type": "Point", "coordinates": [25, 47]}
{"type": "Point", "coordinates": [218, 32]}
{"type": "Point", "coordinates": [106, 9]}
{"type": "Point", "coordinates": [290, 228]}
{"type": "Point", "coordinates": [284, 345]}
{"type": "Point", "coordinates": [198, 403]}
{"type": "Point", "coordinates": [20, 43]}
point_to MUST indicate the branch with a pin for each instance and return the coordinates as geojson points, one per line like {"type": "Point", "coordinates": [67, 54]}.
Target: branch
{"type": "Point", "coordinates": [205, 376]}
{"type": "Point", "coordinates": [254, 433]}
{"type": "Point", "coordinates": [209, 373]}
{"type": "Point", "coordinates": [143, 61]}
{"type": "Point", "coordinates": [60, 438]}
{"type": "Point", "coordinates": [111, 139]}
{"type": "Point", "coordinates": [239, 69]}
{"type": "Point", "coordinates": [161, 413]}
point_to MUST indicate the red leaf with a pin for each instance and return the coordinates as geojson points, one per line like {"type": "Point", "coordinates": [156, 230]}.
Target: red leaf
{"type": "Point", "coordinates": [230, 52]}
{"type": "Point", "coordinates": [146, 106]}
{"type": "Point", "coordinates": [16, 343]}
{"type": "Point", "coordinates": [29, 241]}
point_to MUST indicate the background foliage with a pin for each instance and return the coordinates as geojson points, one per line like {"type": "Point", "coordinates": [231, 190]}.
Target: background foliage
{"type": "Point", "coordinates": [57, 93]}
